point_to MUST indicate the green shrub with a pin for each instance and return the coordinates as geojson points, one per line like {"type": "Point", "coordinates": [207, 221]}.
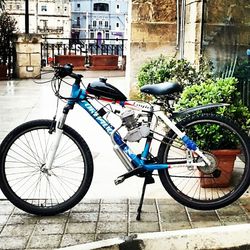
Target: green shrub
{"type": "Point", "coordinates": [164, 69]}
{"type": "Point", "coordinates": [216, 91]}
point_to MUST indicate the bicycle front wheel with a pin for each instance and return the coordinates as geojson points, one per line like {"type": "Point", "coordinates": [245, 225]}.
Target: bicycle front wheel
{"type": "Point", "coordinates": [206, 187]}
{"type": "Point", "coordinates": [24, 181]}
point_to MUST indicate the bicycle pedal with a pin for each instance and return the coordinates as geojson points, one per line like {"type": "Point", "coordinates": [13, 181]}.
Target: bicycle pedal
{"type": "Point", "coordinates": [119, 180]}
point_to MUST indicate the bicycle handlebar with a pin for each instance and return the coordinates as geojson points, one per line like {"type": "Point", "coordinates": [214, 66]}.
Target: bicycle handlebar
{"type": "Point", "coordinates": [66, 70]}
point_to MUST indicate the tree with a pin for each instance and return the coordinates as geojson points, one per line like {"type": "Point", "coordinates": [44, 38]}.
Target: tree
{"type": "Point", "coordinates": [2, 4]}
{"type": "Point", "coordinates": [7, 29]}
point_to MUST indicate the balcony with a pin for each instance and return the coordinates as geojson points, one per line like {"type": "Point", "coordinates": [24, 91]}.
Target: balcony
{"type": "Point", "coordinates": [99, 27]}
{"type": "Point", "coordinates": [50, 30]}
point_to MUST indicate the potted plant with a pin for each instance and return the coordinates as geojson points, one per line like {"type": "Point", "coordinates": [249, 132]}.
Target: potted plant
{"type": "Point", "coordinates": [218, 142]}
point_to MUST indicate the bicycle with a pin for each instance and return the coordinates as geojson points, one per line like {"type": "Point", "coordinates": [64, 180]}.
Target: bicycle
{"type": "Point", "coordinates": [46, 167]}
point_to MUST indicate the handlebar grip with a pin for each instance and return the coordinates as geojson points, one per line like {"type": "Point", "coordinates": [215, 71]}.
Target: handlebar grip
{"type": "Point", "coordinates": [77, 77]}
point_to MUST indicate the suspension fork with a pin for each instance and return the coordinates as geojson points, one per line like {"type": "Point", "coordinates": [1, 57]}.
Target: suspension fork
{"type": "Point", "coordinates": [57, 139]}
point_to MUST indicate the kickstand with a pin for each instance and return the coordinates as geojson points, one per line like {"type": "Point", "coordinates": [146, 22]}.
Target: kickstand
{"type": "Point", "coordinates": [148, 180]}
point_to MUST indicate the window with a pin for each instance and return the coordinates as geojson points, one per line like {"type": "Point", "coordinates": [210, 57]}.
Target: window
{"type": "Point", "coordinates": [78, 21]}
{"type": "Point", "coordinates": [100, 23]}
{"type": "Point", "coordinates": [117, 25]}
{"type": "Point", "coordinates": [117, 6]}
{"type": "Point", "coordinates": [107, 35]}
{"type": "Point", "coordinates": [17, 6]}
{"type": "Point", "coordinates": [92, 35]}
{"type": "Point", "coordinates": [94, 23]}
{"type": "Point", "coordinates": [101, 7]}
{"type": "Point", "coordinates": [65, 8]}
{"type": "Point", "coordinates": [43, 8]}
{"type": "Point", "coordinates": [78, 5]}
{"type": "Point", "coordinates": [106, 23]}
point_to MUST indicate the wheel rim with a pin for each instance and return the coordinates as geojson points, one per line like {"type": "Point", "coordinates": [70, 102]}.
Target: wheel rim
{"type": "Point", "coordinates": [187, 182]}
{"type": "Point", "coordinates": [27, 178]}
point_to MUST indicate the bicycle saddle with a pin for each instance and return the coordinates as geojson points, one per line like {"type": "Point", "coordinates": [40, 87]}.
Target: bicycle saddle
{"type": "Point", "coordinates": [164, 88]}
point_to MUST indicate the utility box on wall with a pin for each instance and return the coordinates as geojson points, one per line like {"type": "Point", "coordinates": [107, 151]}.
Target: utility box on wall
{"type": "Point", "coordinates": [28, 56]}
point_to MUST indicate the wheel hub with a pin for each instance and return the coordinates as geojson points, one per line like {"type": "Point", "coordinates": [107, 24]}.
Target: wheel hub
{"type": "Point", "coordinates": [213, 166]}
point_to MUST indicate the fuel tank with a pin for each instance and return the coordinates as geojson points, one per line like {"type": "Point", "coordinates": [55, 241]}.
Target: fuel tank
{"type": "Point", "coordinates": [101, 88]}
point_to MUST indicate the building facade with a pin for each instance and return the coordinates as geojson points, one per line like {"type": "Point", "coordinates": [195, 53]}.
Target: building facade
{"type": "Point", "coordinates": [51, 18]}
{"type": "Point", "coordinates": [99, 19]}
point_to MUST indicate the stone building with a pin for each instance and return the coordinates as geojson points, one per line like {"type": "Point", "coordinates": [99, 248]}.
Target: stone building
{"type": "Point", "coordinates": [51, 18]}
{"type": "Point", "coordinates": [218, 30]}
{"type": "Point", "coordinates": [99, 19]}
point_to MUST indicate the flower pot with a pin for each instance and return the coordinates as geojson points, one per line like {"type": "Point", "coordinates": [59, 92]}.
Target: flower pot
{"type": "Point", "coordinates": [103, 62]}
{"type": "Point", "coordinates": [76, 60]}
{"type": "Point", "coordinates": [225, 162]}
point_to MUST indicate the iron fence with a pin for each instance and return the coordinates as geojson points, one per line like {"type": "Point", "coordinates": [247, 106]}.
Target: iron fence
{"type": "Point", "coordinates": [52, 47]}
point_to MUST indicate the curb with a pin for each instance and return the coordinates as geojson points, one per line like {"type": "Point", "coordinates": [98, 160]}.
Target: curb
{"type": "Point", "coordinates": [225, 237]}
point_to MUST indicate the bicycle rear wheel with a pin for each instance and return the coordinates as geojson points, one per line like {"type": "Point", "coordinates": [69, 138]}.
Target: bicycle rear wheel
{"type": "Point", "coordinates": [208, 187]}
{"type": "Point", "coordinates": [24, 182]}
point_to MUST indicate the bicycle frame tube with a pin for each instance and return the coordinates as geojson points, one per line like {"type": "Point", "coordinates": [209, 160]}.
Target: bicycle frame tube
{"type": "Point", "coordinates": [81, 95]}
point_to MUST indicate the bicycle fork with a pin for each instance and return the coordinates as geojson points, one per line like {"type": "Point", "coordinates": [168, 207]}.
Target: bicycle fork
{"type": "Point", "coordinates": [55, 144]}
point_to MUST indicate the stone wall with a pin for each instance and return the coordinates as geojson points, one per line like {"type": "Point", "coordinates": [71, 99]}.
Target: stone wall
{"type": "Point", "coordinates": [193, 31]}
{"type": "Point", "coordinates": [28, 52]}
{"type": "Point", "coordinates": [153, 32]}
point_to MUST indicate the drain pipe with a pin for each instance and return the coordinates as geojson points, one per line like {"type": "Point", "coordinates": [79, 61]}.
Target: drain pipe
{"type": "Point", "coordinates": [182, 28]}
{"type": "Point", "coordinates": [177, 24]}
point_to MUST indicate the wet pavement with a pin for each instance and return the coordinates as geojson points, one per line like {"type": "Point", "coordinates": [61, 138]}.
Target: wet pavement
{"type": "Point", "coordinates": [107, 211]}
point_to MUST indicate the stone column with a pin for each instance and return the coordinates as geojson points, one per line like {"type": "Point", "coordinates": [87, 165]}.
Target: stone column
{"type": "Point", "coordinates": [193, 31]}
{"type": "Point", "coordinates": [28, 52]}
{"type": "Point", "coordinates": [152, 33]}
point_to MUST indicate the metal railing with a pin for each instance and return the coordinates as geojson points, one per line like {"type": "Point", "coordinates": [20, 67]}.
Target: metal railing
{"type": "Point", "coordinates": [244, 89]}
{"type": "Point", "coordinates": [52, 47]}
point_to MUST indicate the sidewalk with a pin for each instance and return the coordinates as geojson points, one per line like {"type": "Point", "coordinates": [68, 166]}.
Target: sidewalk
{"type": "Point", "coordinates": [107, 211]}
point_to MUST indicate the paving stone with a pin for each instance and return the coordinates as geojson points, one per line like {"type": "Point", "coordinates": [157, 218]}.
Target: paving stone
{"type": "Point", "coordinates": [4, 218]}
{"type": "Point", "coordinates": [168, 202]}
{"type": "Point", "coordinates": [6, 209]}
{"type": "Point", "coordinates": [22, 219]}
{"type": "Point", "coordinates": [17, 230]}
{"type": "Point", "coordinates": [83, 217]}
{"type": "Point", "coordinates": [236, 219]}
{"type": "Point", "coordinates": [172, 208]}
{"type": "Point", "coordinates": [146, 208]}
{"type": "Point", "coordinates": [145, 217]}
{"type": "Point", "coordinates": [56, 219]}
{"type": "Point", "coordinates": [231, 210]}
{"type": "Point", "coordinates": [44, 241]}
{"type": "Point", "coordinates": [173, 217]}
{"type": "Point", "coordinates": [42, 229]}
{"type": "Point", "coordinates": [13, 242]}
{"type": "Point", "coordinates": [107, 236]}
{"type": "Point", "coordinates": [203, 218]}
{"type": "Point", "coordinates": [114, 208]}
{"type": "Point", "coordinates": [112, 227]}
{"type": "Point", "coordinates": [114, 201]}
{"type": "Point", "coordinates": [84, 227]}
{"type": "Point", "coordinates": [75, 239]}
{"type": "Point", "coordinates": [145, 202]}
{"type": "Point", "coordinates": [108, 217]}
{"type": "Point", "coordinates": [89, 201]}
{"type": "Point", "coordinates": [144, 227]}
{"type": "Point", "coordinates": [84, 207]}
{"type": "Point", "coordinates": [169, 226]}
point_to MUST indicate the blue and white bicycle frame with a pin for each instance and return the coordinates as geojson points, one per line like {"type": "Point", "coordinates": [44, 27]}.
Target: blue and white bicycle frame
{"type": "Point", "coordinates": [126, 155]}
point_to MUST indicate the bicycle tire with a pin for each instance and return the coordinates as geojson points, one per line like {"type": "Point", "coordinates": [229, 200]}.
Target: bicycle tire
{"type": "Point", "coordinates": [189, 188]}
{"type": "Point", "coordinates": [25, 183]}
